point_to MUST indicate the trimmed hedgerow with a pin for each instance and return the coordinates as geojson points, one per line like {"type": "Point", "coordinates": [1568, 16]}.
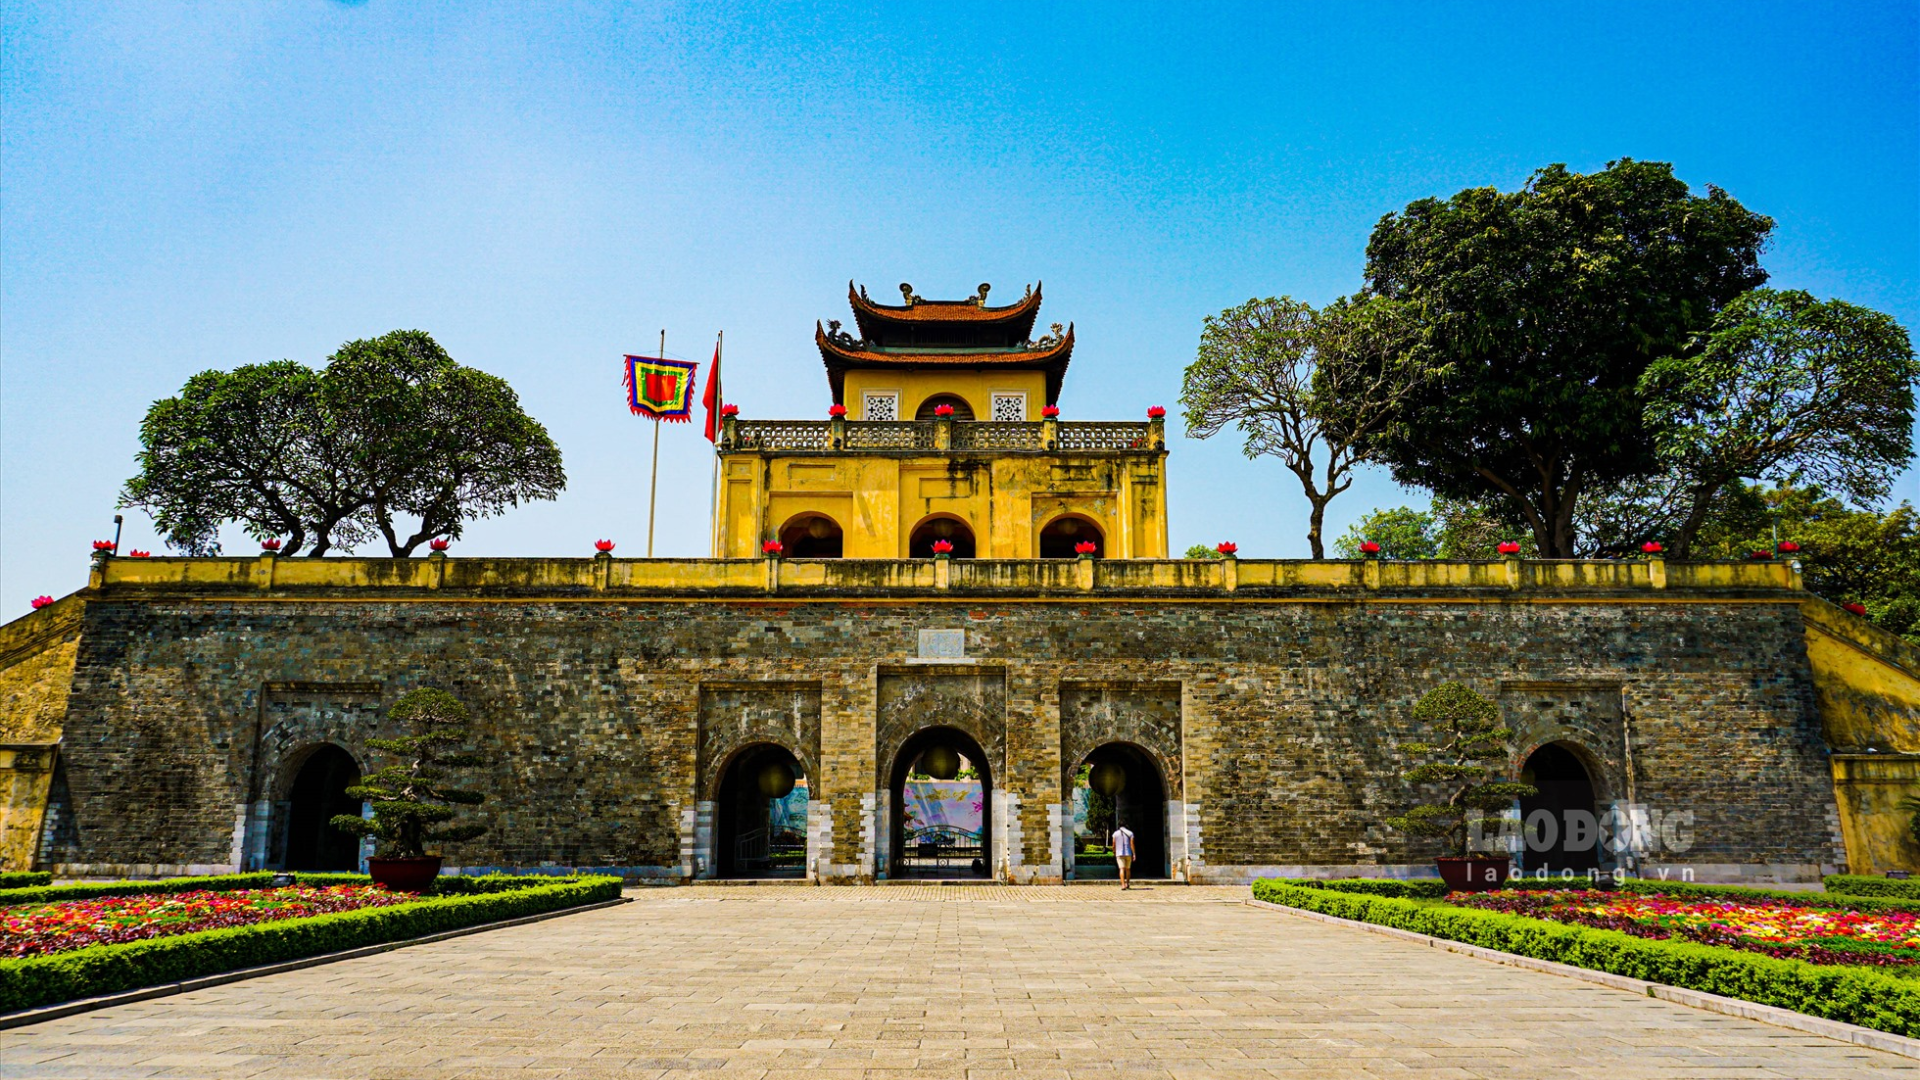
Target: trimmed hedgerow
{"type": "Point", "coordinates": [1406, 890]}
{"type": "Point", "coordinates": [1867, 998]}
{"type": "Point", "coordinates": [25, 879]}
{"type": "Point", "coordinates": [1862, 885]}
{"type": "Point", "coordinates": [31, 982]}
{"type": "Point", "coordinates": [91, 890]}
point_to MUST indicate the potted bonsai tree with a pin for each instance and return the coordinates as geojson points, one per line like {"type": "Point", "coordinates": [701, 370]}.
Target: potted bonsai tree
{"type": "Point", "coordinates": [1467, 743]}
{"type": "Point", "coordinates": [412, 804]}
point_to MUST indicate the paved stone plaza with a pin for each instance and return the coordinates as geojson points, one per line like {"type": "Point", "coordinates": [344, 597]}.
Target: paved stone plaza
{"type": "Point", "coordinates": [923, 981]}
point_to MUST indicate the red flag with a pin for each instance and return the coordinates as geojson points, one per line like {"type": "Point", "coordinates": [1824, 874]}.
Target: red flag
{"type": "Point", "coordinates": [712, 398]}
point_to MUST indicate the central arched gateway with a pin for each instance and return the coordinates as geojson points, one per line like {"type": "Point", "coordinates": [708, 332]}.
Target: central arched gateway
{"type": "Point", "coordinates": [942, 807]}
{"type": "Point", "coordinates": [761, 815]}
{"type": "Point", "coordinates": [1119, 784]}
{"type": "Point", "coordinates": [319, 793]}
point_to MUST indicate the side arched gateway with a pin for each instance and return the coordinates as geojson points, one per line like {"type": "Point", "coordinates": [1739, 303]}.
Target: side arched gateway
{"type": "Point", "coordinates": [316, 792]}
{"type": "Point", "coordinates": [1118, 784]}
{"type": "Point", "coordinates": [760, 827]}
{"type": "Point", "coordinates": [1560, 824]}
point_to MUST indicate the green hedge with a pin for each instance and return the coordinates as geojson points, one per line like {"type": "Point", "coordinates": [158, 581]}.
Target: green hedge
{"type": "Point", "coordinates": [1405, 890]}
{"type": "Point", "coordinates": [31, 982]}
{"type": "Point", "coordinates": [90, 890]}
{"type": "Point", "coordinates": [1852, 995]}
{"type": "Point", "coordinates": [24, 879]}
{"type": "Point", "coordinates": [1862, 885]}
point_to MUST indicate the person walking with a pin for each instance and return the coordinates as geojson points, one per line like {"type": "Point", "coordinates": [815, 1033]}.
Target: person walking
{"type": "Point", "coordinates": [1123, 855]}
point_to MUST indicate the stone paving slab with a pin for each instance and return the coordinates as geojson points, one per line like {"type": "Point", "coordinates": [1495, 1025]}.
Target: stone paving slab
{"type": "Point", "coordinates": [888, 983]}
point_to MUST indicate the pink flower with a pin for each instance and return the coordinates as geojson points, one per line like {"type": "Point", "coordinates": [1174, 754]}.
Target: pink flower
{"type": "Point", "coordinates": [943, 547]}
{"type": "Point", "coordinates": [837, 410]}
{"type": "Point", "coordinates": [729, 410]}
{"type": "Point", "coordinates": [1760, 556]}
{"type": "Point", "coordinates": [1051, 412]}
{"type": "Point", "coordinates": [1651, 548]}
{"type": "Point", "coordinates": [272, 543]}
{"type": "Point", "coordinates": [438, 543]}
{"type": "Point", "coordinates": [1368, 547]}
{"type": "Point", "coordinates": [603, 545]}
{"type": "Point", "coordinates": [42, 601]}
{"type": "Point", "coordinates": [944, 412]}
{"type": "Point", "coordinates": [1086, 547]}
{"type": "Point", "coordinates": [1157, 412]}
{"type": "Point", "coordinates": [1509, 547]}
{"type": "Point", "coordinates": [773, 548]}
{"type": "Point", "coordinates": [1227, 547]}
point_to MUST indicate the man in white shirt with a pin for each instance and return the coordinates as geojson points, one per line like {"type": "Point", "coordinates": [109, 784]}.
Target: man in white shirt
{"type": "Point", "coordinates": [1123, 855]}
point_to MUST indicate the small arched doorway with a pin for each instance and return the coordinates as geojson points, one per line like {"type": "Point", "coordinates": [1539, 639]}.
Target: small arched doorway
{"type": "Point", "coordinates": [942, 807]}
{"type": "Point", "coordinates": [929, 408]}
{"type": "Point", "coordinates": [1560, 829]}
{"type": "Point", "coordinates": [1119, 784]}
{"type": "Point", "coordinates": [317, 795]}
{"type": "Point", "coordinates": [1062, 535]}
{"type": "Point", "coordinates": [811, 536]}
{"type": "Point", "coordinates": [940, 527]}
{"type": "Point", "coordinates": [761, 815]}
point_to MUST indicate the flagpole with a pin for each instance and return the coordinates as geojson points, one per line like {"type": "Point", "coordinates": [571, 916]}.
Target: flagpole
{"type": "Point", "coordinates": [653, 487]}
{"type": "Point", "coordinates": [713, 489]}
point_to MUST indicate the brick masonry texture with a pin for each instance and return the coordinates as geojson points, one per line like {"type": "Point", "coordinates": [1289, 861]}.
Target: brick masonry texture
{"type": "Point", "coordinates": [603, 723]}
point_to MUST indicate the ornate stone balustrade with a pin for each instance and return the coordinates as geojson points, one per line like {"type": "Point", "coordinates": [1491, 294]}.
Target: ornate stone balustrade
{"type": "Point", "coordinates": [884, 436]}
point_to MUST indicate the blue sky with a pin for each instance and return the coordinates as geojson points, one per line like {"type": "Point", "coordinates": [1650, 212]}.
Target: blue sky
{"type": "Point", "coordinates": [546, 186]}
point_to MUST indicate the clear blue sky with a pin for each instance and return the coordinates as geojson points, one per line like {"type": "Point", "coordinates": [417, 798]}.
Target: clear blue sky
{"type": "Point", "coordinates": [544, 187]}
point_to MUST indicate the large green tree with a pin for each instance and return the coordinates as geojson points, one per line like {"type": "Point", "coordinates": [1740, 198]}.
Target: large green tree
{"type": "Point", "coordinates": [1541, 309]}
{"type": "Point", "coordinates": [392, 429]}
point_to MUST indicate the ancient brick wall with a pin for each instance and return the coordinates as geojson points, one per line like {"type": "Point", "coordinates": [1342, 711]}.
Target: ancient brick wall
{"type": "Point", "coordinates": [603, 723]}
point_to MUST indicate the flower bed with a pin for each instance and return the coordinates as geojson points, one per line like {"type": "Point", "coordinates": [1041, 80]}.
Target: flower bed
{"type": "Point", "coordinates": [1815, 931]}
{"type": "Point", "coordinates": [38, 929]}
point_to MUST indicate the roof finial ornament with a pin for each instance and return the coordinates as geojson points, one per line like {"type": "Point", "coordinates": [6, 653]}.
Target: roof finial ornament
{"type": "Point", "coordinates": [980, 298]}
{"type": "Point", "coordinates": [1053, 339]}
{"type": "Point", "coordinates": [906, 290]}
{"type": "Point", "coordinates": [839, 336]}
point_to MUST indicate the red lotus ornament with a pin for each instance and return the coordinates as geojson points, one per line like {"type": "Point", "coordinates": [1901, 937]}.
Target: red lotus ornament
{"type": "Point", "coordinates": [1788, 547]}
{"type": "Point", "coordinates": [1651, 548]}
{"type": "Point", "coordinates": [1157, 412]}
{"type": "Point", "coordinates": [1760, 556]}
{"type": "Point", "coordinates": [439, 543]}
{"type": "Point", "coordinates": [1368, 547]}
{"type": "Point", "coordinates": [603, 546]}
{"type": "Point", "coordinates": [837, 411]}
{"type": "Point", "coordinates": [103, 545]}
{"type": "Point", "coordinates": [944, 412]}
{"type": "Point", "coordinates": [1509, 547]}
{"type": "Point", "coordinates": [1086, 547]}
{"type": "Point", "coordinates": [729, 410]}
{"type": "Point", "coordinates": [773, 548]}
{"type": "Point", "coordinates": [943, 547]}
{"type": "Point", "coordinates": [271, 543]}
{"type": "Point", "coordinates": [41, 601]}
{"type": "Point", "coordinates": [1855, 609]}
{"type": "Point", "coordinates": [1051, 412]}
{"type": "Point", "coordinates": [1227, 547]}
{"type": "Point", "coordinates": [136, 553]}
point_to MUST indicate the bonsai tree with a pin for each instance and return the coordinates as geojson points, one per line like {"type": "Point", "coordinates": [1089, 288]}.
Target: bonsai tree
{"type": "Point", "coordinates": [1467, 741]}
{"type": "Point", "coordinates": [411, 802]}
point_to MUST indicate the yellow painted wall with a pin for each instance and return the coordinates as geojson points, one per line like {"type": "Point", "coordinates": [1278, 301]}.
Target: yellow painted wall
{"type": "Point", "coordinates": [36, 670]}
{"type": "Point", "coordinates": [1869, 789]}
{"type": "Point", "coordinates": [1866, 685]}
{"type": "Point", "coordinates": [1006, 499]}
{"type": "Point", "coordinates": [976, 387]}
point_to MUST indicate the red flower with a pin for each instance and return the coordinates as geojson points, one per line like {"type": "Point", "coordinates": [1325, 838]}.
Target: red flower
{"type": "Point", "coordinates": [1789, 547]}
{"type": "Point", "coordinates": [943, 547]}
{"type": "Point", "coordinates": [729, 410]}
{"type": "Point", "coordinates": [837, 410]}
{"type": "Point", "coordinates": [103, 545]}
{"type": "Point", "coordinates": [1368, 547]}
{"type": "Point", "coordinates": [773, 547]}
{"type": "Point", "coordinates": [1652, 548]}
{"type": "Point", "coordinates": [1509, 547]}
{"type": "Point", "coordinates": [438, 543]}
{"type": "Point", "coordinates": [603, 545]}
{"type": "Point", "coordinates": [42, 601]}
{"type": "Point", "coordinates": [1157, 412]}
{"type": "Point", "coordinates": [944, 412]}
{"type": "Point", "coordinates": [1086, 547]}
{"type": "Point", "coordinates": [1857, 609]}
{"type": "Point", "coordinates": [1227, 547]}
{"type": "Point", "coordinates": [1760, 556]}
{"type": "Point", "coordinates": [136, 553]}
{"type": "Point", "coordinates": [270, 544]}
{"type": "Point", "coordinates": [1051, 412]}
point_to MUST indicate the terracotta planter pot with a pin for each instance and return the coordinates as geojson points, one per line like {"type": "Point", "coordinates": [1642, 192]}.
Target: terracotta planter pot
{"type": "Point", "coordinates": [405, 875]}
{"type": "Point", "coordinates": [1475, 873]}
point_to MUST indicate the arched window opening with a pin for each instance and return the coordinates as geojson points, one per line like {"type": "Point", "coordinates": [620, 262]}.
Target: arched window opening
{"type": "Point", "coordinates": [942, 807]}
{"type": "Point", "coordinates": [1062, 535]}
{"type": "Point", "coordinates": [319, 792]}
{"type": "Point", "coordinates": [961, 410]}
{"type": "Point", "coordinates": [952, 530]}
{"type": "Point", "coordinates": [811, 536]}
{"type": "Point", "coordinates": [762, 815]}
{"type": "Point", "coordinates": [1118, 784]}
{"type": "Point", "coordinates": [1560, 823]}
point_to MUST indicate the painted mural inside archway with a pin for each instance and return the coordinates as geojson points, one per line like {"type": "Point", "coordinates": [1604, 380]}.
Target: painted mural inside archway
{"type": "Point", "coordinates": [1140, 803]}
{"type": "Point", "coordinates": [761, 812]}
{"type": "Point", "coordinates": [942, 799]}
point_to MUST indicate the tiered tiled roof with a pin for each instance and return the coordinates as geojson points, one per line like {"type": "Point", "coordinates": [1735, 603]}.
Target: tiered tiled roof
{"type": "Point", "coordinates": [944, 334]}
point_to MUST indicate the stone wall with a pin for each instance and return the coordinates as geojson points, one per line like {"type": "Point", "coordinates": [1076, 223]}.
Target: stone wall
{"type": "Point", "coordinates": [604, 722]}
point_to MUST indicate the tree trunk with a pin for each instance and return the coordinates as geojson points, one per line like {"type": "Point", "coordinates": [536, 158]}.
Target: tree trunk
{"type": "Point", "coordinates": [1695, 521]}
{"type": "Point", "coordinates": [1315, 520]}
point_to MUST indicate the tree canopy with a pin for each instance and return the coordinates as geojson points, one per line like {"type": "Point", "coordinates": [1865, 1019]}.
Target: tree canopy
{"type": "Point", "coordinates": [1540, 310]}
{"type": "Point", "coordinates": [392, 438]}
